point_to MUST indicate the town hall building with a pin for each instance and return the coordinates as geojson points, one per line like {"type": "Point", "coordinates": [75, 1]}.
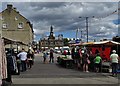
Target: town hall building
{"type": "Point", "coordinates": [51, 41]}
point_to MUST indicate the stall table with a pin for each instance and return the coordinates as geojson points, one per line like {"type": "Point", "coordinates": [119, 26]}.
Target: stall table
{"type": "Point", "coordinates": [65, 62]}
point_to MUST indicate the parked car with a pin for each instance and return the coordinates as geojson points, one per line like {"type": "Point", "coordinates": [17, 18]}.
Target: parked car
{"type": "Point", "coordinates": [67, 50]}
{"type": "Point", "coordinates": [57, 51]}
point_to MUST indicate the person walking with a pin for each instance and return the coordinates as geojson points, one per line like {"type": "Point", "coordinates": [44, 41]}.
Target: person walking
{"type": "Point", "coordinates": [77, 59]}
{"type": "Point", "coordinates": [51, 56]}
{"type": "Point", "coordinates": [86, 61]}
{"type": "Point", "coordinates": [73, 53]}
{"type": "Point", "coordinates": [45, 56]}
{"type": "Point", "coordinates": [23, 57]}
{"type": "Point", "coordinates": [98, 63]}
{"type": "Point", "coordinates": [114, 61]}
{"type": "Point", "coordinates": [68, 53]}
{"type": "Point", "coordinates": [29, 59]}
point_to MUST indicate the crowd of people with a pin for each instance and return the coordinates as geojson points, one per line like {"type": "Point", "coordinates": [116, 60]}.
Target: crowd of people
{"type": "Point", "coordinates": [17, 62]}
{"type": "Point", "coordinates": [85, 60]}
{"type": "Point", "coordinates": [25, 60]}
{"type": "Point", "coordinates": [47, 58]}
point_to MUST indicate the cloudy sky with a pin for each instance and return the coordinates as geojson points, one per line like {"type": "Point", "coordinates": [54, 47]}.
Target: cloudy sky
{"type": "Point", "coordinates": [64, 17]}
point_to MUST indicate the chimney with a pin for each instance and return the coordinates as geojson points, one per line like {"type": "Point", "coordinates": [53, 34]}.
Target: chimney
{"type": "Point", "coordinates": [15, 9]}
{"type": "Point", "coordinates": [9, 7]}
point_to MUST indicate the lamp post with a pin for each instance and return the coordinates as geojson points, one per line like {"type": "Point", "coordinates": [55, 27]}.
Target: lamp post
{"type": "Point", "coordinates": [86, 26]}
{"type": "Point", "coordinates": [77, 30]}
{"type": "Point", "coordinates": [86, 18]}
{"type": "Point", "coordinates": [81, 36]}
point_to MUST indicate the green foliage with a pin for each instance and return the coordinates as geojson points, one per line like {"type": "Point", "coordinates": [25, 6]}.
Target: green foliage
{"type": "Point", "coordinates": [66, 41]}
{"type": "Point", "coordinates": [117, 39]}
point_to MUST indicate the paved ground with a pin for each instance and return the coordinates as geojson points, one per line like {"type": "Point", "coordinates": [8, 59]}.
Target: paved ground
{"type": "Point", "coordinates": [54, 74]}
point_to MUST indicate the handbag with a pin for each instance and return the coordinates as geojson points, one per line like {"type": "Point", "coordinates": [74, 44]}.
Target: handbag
{"type": "Point", "coordinates": [88, 61]}
{"type": "Point", "coordinates": [18, 61]}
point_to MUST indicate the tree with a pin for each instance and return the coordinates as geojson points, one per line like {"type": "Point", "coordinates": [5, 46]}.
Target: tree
{"type": "Point", "coordinates": [65, 41]}
{"type": "Point", "coordinates": [116, 38]}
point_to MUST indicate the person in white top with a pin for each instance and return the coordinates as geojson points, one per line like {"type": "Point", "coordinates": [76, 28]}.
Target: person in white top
{"type": "Point", "coordinates": [23, 57]}
{"type": "Point", "coordinates": [114, 60]}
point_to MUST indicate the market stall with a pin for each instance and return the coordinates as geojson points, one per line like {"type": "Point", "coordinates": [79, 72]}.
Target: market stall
{"type": "Point", "coordinates": [3, 61]}
{"type": "Point", "coordinates": [12, 43]}
{"type": "Point", "coordinates": [8, 63]}
{"type": "Point", "coordinates": [102, 47]}
{"type": "Point", "coordinates": [65, 61]}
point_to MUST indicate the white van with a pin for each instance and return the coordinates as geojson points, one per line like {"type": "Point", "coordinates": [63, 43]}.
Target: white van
{"type": "Point", "coordinates": [65, 48]}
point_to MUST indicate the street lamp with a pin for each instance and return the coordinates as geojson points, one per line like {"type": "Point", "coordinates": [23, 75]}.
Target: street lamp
{"type": "Point", "coordinates": [80, 33]}
{"type": "Point", "coordinates": [87, 24]}
{"type": "Point", "coordinates": [81, 36]}
{"type": "Point", "coordinates": [77, 33]}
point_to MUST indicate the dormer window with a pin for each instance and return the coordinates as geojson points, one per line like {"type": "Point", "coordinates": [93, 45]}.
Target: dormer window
{"type": "Point", "coordinates": [16, 18]}
{"type": "Point", "coordinates": [20, 25]}
{"type": "Point", "coordinates": [4, 25]}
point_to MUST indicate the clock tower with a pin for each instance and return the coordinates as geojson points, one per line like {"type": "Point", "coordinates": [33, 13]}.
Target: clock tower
{"type": "Point", "coordinates": [51, 33]}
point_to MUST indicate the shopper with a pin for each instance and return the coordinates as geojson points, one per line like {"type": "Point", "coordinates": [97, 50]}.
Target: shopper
{"type": "Point", "coordinates": [29, 59]}
{"type": "Point", "coordinates": [45, 56]}
{"type": "Point", "coordinates": [77, 59]}
{"type": "Point", "coordinates": [86, 61]}
{"type": "Point", "coordinates": [98, 63]}
{"type": "Point", "coordinates": [114, 61]}
{"type": "Point", "coordinates": [51, 56]}
{"type": "Point", "coordinates": [23, 57]}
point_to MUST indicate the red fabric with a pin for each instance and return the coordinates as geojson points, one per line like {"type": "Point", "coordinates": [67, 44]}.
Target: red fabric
{"type": "Point", "coordinates": [65, 53]}
{"type": "Point", "coordinates": [104, 54]}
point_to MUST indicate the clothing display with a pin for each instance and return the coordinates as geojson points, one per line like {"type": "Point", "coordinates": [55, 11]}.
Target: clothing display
{"type": "Point", "coordinates": [7, 63]}
{"type": "Point", "coordinates": [11, 61]}
{"type": "Point", "coordinates": [3, 61]}
{"type": "Point", "coordinates": [15, 64]}
{"type": "Point", "coordinates": [0, 81]}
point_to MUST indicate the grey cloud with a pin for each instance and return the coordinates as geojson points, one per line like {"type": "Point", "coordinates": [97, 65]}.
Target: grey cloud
{"type": "Point", "coordinates": [64, 16]}
{"type": "Point", "coordinates": [38, 5]}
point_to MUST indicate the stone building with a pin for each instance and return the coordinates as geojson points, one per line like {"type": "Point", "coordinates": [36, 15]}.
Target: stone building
{"type": "Point", "coordinates": [15, 26]}
{"type": "Point", "coordinates": [51, 41]}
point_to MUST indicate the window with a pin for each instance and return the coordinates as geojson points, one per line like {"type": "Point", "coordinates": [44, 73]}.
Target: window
{"type": "Point", "coordinates": [1, 18]}
{"type": "Point", "coordinates": [4, 25]}
{"type": "Point", "coordinates": [16, 18]}
{"type": "Point", "coordinates": [20, 25]}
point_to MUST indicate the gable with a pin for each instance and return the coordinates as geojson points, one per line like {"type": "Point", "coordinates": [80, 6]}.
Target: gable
{"type": "Point", "coordinates": [16, 17]}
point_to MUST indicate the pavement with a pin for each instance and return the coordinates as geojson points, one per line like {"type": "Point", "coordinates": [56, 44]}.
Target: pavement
{"type": "Point", "coordinates": [52, 73]}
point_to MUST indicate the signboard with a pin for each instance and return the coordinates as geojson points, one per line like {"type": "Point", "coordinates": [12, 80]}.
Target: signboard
{"type": "Point", "coordinates": [77, 41]}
